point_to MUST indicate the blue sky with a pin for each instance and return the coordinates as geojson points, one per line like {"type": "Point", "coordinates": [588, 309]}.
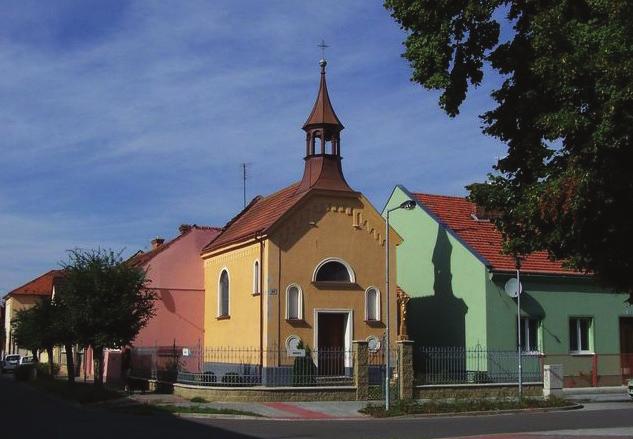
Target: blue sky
{"type": "Point", "coordinates": [121, 120]}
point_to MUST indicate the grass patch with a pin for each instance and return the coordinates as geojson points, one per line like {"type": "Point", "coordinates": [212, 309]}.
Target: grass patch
{"type": "Point", "coordinates": [151, 409]}
{"type": "Point", "coordinates": [198, 400]}
{"type": "Point", "coordinates": [83, 393]}
{"type": "Point", "coordinates": [459, 406]}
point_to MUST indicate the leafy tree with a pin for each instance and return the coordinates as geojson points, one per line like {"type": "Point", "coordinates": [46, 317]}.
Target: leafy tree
{"type": "Point", "coordinates": [564, 109]}
{"type": "Point", "coordinates": [26, 330]}
{"type": "Point", "coordinates": [42, 327]}
{"type": "Point", "coordinates": [107, 299]}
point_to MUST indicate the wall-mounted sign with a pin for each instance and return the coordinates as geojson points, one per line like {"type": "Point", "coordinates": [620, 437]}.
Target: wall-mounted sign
{"type": "Point", "coordinates": [185, 352]}
{"type": "Point", "coordinates": [292, 346]}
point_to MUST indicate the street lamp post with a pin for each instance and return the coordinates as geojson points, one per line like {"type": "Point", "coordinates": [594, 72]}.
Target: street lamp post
{"type": "Point", "coordinates": [408, 205]}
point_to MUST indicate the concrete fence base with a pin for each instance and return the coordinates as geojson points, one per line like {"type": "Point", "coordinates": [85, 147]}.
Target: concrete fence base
{"type": "Point", "coordinates": [267, 394]}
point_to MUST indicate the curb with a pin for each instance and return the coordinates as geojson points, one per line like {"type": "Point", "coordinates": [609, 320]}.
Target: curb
{"type": "Point", "coordinates": [486, 412]}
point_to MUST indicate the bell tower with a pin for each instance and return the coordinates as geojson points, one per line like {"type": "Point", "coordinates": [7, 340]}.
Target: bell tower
{"type": "Point", "coordinates": [323, 144]}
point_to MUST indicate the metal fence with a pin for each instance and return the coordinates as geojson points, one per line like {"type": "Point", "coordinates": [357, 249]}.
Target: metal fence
{"type": "Point", "coordinates": [457, 365]}
{"type": "Point", "coordinates": [246, 366]}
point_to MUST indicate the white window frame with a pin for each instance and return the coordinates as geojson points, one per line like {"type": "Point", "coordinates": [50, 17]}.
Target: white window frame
{"type": "Point", "coordinates": [350, 271]}
{"type": "Point", "coordinates": [590, 348]}
{"type": "Point", "coordinates": [228, 304]}
{"type": "Point", "coordinates": [377, 305]}
{"type": "Point", "coordinates": [299, 302]}
{"type": "Point", "coordinates": [257, 273]}
{"type": "Point", "coordinates": [525, 323]}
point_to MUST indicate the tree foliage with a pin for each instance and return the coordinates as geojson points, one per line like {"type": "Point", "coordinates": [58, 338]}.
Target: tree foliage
{"type": "Point", "coordinates": [107, 299]}
{"type": "Point", "coordinates": [564, 109]}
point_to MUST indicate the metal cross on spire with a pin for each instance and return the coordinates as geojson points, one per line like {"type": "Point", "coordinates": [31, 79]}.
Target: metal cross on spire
{"type": "Point", "coordinates": [323, 46]}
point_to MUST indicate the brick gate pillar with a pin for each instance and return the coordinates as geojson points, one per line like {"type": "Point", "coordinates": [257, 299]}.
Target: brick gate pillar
{"type": "Point", "coordinates": [405, 368]}
{"type": "Point", "coordinates": [361, 369]}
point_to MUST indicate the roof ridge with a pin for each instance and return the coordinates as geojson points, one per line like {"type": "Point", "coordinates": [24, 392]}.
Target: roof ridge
{"type": "Point", "coordinates": [441, 195]}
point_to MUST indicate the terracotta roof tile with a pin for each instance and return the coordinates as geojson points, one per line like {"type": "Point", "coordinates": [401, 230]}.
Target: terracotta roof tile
{"type": "Point", "coordinates": [40, 286]}
{"type": "Point", "coordinates": [483, 238]}
{"type": "Point", "coordinates": [261, 214]}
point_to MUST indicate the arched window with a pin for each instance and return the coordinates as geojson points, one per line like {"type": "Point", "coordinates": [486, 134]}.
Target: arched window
{"type": "Point", "coordinates": [372, 304]}
{"type": "Point", "coordinates": [256, 277]}
{"type": "Point", "coordinates": [223, 294]}
{"type": "Point", "coordinates": [333, 270]}
{"type": "Point", "coordinates": [294, 302]}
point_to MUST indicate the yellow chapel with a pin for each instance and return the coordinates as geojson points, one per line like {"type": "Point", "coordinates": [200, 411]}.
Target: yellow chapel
{"type": "Point", "coordinates": [303, 267]}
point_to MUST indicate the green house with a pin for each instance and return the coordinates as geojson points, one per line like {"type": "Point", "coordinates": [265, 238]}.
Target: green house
{"type": "Point", "coordinates": [451, 266]}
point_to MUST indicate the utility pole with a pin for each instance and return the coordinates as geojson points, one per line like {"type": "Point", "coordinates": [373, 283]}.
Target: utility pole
{"type": "Point", "coordinates": [244, 182]}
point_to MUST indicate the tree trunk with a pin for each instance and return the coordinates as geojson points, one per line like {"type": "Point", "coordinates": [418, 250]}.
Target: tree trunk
{"type": "Point", "coordinates": [98, 366]}
{"type": "Point", "coordinates": [70, 363]}
{"type": "Point", "coordinates": [51, 365]}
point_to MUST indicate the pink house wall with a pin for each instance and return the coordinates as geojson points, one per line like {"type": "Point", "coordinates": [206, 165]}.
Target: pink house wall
{"type": "Point", "coordinates": [177, 276]}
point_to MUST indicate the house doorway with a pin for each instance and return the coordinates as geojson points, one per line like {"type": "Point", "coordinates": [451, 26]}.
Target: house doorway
{"type": "Point", "coordinates": [626, 347]}
{"type": "Point", "coordinates": [332, 329]}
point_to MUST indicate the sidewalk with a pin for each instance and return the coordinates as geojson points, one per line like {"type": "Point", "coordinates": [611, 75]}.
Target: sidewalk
{"type": "Point", "coordinates": [597, 433]}
{"type": "Point", "coordinates": [597, 394]}
{"type": "Point", "coordinates": [313, 410]}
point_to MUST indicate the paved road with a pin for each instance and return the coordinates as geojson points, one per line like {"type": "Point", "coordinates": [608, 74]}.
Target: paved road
{"type": "Point", "coordinates": [24, 412]}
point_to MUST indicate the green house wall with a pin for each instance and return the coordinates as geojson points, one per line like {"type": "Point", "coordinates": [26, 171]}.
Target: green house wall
{"type": "Point", "coordinates": [445, 281]}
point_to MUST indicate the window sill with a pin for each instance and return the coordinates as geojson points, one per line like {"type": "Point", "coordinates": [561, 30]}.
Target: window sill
{"type": "Point", "coordinates": [582, 353]}
{"type": "Point", "coordinates": [225, 317]}
{"type": "Point", "coordinates": [377, 323]}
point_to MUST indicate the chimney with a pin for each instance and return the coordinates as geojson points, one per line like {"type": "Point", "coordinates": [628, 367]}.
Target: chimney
{"type": "Point", "coordinates": [157, 242]}
{"type": "Point", "coordinates": [184, 228]}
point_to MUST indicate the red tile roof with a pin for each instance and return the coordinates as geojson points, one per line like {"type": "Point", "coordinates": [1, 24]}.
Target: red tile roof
{"type": "Point", "coordinates": [40, 286]}
{"type": "Point", "coordinates": [258, 217]}
{"type": "Point", "coordinates": [141, 258]}
{"type": "Point", "coordinates": [482, 237]}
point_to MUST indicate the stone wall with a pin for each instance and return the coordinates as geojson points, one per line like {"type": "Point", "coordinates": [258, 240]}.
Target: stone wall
{"type": "Point", "coordinates": [476, 391]}
{"type": "Point", "coordinates": [268, 394]}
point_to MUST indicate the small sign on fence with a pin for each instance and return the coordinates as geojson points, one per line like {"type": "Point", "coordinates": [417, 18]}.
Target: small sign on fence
{"type": "Point", "coordinates": [185, 352]}
{"type": "Point", "coordinates": [296, 352]}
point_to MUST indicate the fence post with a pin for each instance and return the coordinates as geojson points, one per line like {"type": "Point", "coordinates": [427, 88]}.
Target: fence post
{"type": "Point", "coordinates": [405, 366]}
{"type": "Point", "coordinates": [361, 369]}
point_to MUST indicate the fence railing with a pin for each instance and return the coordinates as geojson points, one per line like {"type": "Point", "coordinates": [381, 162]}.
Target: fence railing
{"type": "Point", "coordinates": [456, 365]}
{"type": "Point", "coordinates": [237, 366]}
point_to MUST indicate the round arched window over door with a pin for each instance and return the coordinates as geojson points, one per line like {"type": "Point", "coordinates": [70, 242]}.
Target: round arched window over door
{"type": "Point", "coordinates": [334, 270]}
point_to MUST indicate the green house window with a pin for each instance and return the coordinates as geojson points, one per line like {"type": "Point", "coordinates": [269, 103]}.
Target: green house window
{"type": "Point", "coordinates": [530, 334]}
{"type": "Point", "coordinates": [579, 332]}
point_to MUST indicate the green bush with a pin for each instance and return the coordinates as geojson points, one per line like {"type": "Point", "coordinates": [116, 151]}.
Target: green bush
{"type": "Point", "coordinates": [25, 372]}
{"type": "Point", "coordinates": [44, 370]}
{"type": "Point", "coordinates": [303, 369]}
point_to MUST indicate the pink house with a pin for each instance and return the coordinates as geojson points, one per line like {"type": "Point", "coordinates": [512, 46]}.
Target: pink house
{"type": "Point", "coordinates": [175, 272]}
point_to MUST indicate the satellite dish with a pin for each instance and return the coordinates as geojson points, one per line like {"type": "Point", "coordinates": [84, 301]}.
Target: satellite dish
{"type": "Point", "coordinates": [513, 287]}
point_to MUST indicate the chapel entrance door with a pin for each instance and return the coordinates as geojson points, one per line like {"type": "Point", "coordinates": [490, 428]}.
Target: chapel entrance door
{"type": "Point", "coordinates": [331, 343]}
{"type": "Point", "coordinates": [626, 347]}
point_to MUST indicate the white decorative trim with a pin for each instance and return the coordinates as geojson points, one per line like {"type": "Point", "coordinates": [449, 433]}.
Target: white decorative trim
{"type": "Point", "coordinates": [377, 305]}
{"type": "Point", "coordinates": [299, 301]}
{"type": "Point", "coordinates": [228, 305]}
{"type": "Point", "coordinates": [350, 271]}
{"type": "Point", "coordinates": [257, 274]}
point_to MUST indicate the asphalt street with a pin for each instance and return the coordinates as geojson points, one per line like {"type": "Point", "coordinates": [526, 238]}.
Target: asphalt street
{"type": "Point", "coordinates": [25, 412]}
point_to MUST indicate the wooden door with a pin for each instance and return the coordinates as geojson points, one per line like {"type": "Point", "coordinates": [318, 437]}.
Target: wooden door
{"type": "Point", "coordinates": [626, 347]}
{"type": "Point", "coordinates": [331, 347]}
